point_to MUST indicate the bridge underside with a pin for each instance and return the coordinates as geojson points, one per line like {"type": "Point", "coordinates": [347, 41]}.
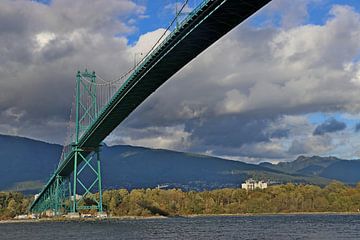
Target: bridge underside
{"type": "Point", "coordinates": [204, 26]}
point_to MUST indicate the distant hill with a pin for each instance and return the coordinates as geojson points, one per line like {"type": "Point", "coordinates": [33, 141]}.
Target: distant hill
{"type": "Point", "coordinates": [301, 163]}
{"type": "Point", "coordinates": [26, 165]}
{"type": "Point", "coordinates": [347, 171]}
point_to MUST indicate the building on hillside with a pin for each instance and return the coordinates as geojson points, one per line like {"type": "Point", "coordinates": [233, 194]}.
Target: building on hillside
{"type": "Point", "coordinates": [163, 186]}
{"type": "Point", "coordinates": [251, 184]}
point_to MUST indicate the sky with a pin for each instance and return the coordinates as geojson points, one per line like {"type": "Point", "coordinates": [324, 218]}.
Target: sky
{"type": "Point", "coordinates": [282, 84]}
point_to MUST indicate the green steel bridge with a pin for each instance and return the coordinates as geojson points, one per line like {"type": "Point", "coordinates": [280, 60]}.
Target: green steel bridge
{"type": "Point", "coordinates": [100, 106]}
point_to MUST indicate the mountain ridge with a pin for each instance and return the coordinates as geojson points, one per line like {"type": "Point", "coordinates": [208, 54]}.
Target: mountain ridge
{"type": "Point", "coordinates": [327, 167]}
{"type": "Point", "coordinates": [27, 164]}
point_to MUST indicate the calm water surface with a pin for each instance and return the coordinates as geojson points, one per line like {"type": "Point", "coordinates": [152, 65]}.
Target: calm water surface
{"type": "Point", "coordinates": [327, 227]}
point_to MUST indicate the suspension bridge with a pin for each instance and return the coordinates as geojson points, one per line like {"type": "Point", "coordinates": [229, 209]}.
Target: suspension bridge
{"type": "Point", "coordinates": [100, 106]}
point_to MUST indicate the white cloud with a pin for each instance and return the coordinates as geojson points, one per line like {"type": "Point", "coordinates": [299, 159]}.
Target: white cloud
{"type": "Point", "coordinates": [233, 103]}
{"type": "Point", "coordinates": [147, 42]}
{"type": "Point", "coordinates": [14, 114]}
{"type": "Point", "coordinates": [43, 38]}
{"type": "Point", "coordinates": [293, 14]}
{"type": "Point", "coordinates": [175, 137]}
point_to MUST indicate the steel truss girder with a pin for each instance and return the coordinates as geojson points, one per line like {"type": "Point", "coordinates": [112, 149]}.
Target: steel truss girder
{"type": "Point", "coordinates": [54, 198]}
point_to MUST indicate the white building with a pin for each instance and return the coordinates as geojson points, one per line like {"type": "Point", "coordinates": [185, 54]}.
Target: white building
{"type": "Point", "coordinates": [251, 184]}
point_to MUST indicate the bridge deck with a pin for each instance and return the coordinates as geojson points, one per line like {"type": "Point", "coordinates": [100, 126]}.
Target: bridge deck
{"type": "Point", "coordinates": [200, 30]}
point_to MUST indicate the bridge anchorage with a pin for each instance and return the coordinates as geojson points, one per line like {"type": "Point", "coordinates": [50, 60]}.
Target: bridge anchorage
{"type": "Point", "coordinates": [101, 107]}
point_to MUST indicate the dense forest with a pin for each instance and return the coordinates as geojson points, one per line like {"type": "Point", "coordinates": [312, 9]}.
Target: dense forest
{"type": "Point", "coordinates": [289, 198]}
{"type": "Point", "coordinates": [336, 197]}
{"type": "Point", "coordinates": [12, 204]}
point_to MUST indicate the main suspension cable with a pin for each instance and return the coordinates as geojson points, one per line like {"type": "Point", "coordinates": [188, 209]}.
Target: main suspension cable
{"type": "Point", "coordinates": [104, 82]}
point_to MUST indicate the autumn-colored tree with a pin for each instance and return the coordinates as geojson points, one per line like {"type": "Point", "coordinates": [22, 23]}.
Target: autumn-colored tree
{"type": "Point", "coordinates": [336, 197]}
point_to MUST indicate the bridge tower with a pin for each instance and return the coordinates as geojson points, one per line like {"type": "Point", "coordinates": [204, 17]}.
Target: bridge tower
{"type": "Point", "coordinates": [87, 175]}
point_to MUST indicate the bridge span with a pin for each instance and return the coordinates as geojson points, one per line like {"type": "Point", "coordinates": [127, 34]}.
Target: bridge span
{"type": "Point", "coordinates": [206, 24]}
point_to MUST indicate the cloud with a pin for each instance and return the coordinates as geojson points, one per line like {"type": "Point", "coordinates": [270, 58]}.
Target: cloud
{"type": "Point", "coordinates": [237, 89]}
{"type": "Point", "coordinates": [311, 145]}
{"type": "Point", "coordinates": [174, 137]}
{"type": "Point", "coordinates": [357, 127]}
{"type": "Point", "coordinates": [251, 70]}
{"type": "Point", "coordinates": [329, 126]}
{"type": "Point", "coordinates": [175, 7]}
{"type": "Point", "coordinates": [228, 131]}
{"type": "Point", "coordinates": [147, 41]}
{"type": "Point", "coordinates": [245, 97]}
{"type": "Point", "coordinates": [291, 15]}
{"type": "Point", "coordinates": [43, 46]}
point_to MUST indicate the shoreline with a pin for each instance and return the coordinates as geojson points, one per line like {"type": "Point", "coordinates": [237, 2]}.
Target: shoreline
{"type": "Point", "coordinates": [269, 214]}
{"type": "Point", "coordinates": [64, 219]}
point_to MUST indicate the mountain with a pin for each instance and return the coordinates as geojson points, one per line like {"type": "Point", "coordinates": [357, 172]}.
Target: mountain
{"type": "Point", "coordinates": [326, 167]}
{"type": "Point", "coordinates": [134, 167]}
{"type": "Point", "coordinates": [26, 165]}
{"type": "Point", "coordinates": [301, 163]}
{"type": "Point", "coordinates": [26, 162]}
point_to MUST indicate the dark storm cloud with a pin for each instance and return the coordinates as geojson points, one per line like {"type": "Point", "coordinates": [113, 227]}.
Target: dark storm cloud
{"type": "Point", "coordinates": [234, 131]}
{"type": "Point", "coordinates": [228, 131]}
{"type": "Point", "coordinates": [280, 133]}
{"type": "Point", "coordinates": [8, 23]}
{"type": "Point", "coordinates": [329, 126]}
{"type": "Point", "coordinates": [357, 127]}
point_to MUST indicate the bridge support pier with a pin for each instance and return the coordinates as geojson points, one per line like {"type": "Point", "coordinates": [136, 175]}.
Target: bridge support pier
{"type": "Point", "coordinates": [83, 195]}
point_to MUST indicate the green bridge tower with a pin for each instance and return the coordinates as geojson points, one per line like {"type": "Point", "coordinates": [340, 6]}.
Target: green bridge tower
{"type": "Point", "coordinates": [89, 169]}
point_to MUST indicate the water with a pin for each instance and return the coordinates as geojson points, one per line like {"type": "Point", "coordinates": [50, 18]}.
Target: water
{"type": "Point", "coordinates": [317, 227]}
